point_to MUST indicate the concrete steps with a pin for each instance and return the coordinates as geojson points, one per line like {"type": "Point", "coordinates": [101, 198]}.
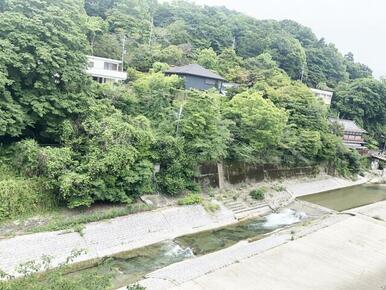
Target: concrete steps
{"type": "Point", "coordinates": [246, 207]}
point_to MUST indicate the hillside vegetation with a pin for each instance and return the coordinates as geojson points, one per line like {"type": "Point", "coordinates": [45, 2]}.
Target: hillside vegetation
{"type": "Point", "coordinates": [80, 142]}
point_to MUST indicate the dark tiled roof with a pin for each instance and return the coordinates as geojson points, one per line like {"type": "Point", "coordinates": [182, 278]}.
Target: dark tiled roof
{"type": "Point", "coordinates": [194, 70]}
{"type": "Point", "coordinates": [348, 125]}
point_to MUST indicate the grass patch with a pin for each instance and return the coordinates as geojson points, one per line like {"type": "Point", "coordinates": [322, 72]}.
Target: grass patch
{"type": "Point", "coordinates": [258, 193]}
{"type": "Point", "coordinates": [76, 222]}
{"type": "Point", "coordinates": [135, 287]}
{"type": "Point", "coordinates": [79, 228]}
{"type": "Point", "coordinates": [190, 199]}
{"type": "Point", "coordinates": [211, 206]}
{"type": "Point", "coordinates": [39, 275]}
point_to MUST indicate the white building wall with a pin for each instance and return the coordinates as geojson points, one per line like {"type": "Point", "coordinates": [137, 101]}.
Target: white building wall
{"type": "Point", "coordinates": [325, 96]}
{"type": "Point", "coordinates": [97, 69]}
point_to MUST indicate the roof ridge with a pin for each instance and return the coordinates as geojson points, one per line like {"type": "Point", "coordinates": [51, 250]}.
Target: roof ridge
{"type": "Point", "coordinates": [195, 70]}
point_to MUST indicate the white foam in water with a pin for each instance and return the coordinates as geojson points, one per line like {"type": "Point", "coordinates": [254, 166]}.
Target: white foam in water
{"type": "Point", "coordinates": [177, 250]}
{"type": "Point", "coordinates": [284, 218]}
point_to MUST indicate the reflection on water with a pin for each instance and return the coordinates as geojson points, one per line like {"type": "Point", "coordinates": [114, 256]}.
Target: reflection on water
{"type": "Point", "coordinates": [348, 198]}
{"type": "Point", "coordinates": [129, 267]}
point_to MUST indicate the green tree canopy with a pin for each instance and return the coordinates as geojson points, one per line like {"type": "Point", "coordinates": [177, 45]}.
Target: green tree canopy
{"type": "Point", "coordinates": [364, 101]}
{"type": "Point", "coordinates": [325, 65]}
{"type": "Point", "coordinates": [257, 126]}
{"type": "Point", "coordinates": [357, 70]}
{"type": "Point", "coordinates": [42, 64]}
{"type": "Point", "coordinates": [207, 57]}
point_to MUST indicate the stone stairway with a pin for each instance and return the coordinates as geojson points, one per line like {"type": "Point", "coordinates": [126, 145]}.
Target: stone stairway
{"type": "Point", "coordinates": [246, 207]}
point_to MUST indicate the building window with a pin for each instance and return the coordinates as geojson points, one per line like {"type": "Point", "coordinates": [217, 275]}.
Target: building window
{"type": "Point", "coordinates": [90, 64]}
{"type": "Point", "coordinates": [99, 80]}
{"type": "Point", "coordinates": [110, 66]}
{"type": "Point", "coordinates": [210, 82]}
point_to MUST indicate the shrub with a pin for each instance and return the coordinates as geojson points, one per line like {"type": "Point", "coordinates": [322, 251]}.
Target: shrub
{"type": "Point", "coordinates": [278, 187]}
{"type": "Point", "coordinates": [27, 159]}
{"type": "Point", "coordinates": [349, 163]}
{"type": "Point", "coordinates": [190, 199]}
{"type": "Point", "coordinates": [110, 162]}
{"type": "Point", "coordinates": [160, 67]}
{"type": "Point", "coordinates": [75, 189]}
{"type": "Point", "coordinates": [51, 162]}
{"type": "Point", "coordinates": [258, 193]}
{"type": "Point", "coordinates": [20, 196]}
{"type": "Point", "coordinates": [177, 170]}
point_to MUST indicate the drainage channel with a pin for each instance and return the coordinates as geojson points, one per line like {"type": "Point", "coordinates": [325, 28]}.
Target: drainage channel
{"type": "Point", "coordinates": [129, 267]}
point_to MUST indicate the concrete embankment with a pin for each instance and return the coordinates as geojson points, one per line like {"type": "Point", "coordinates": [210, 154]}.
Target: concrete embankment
{"type": "Point", "coordinates": [338, 252]}
{"type": "Point", "coordinates": [110, 237]}
{"type": "Point", "coordinates": [323, 184]}
{"type": "Point", "coordinates": [130, 232]}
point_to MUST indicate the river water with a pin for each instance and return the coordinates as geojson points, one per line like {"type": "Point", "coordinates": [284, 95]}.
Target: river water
{"type": "Point", "coordinates": [348, 198]}
{"type": "Point", "coordinates": [129, 267]}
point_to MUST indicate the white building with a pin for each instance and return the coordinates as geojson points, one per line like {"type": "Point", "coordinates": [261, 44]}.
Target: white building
{"type": "Point", "coordinates": [105, 70]}
{"type": "Point", "coordinates": [325, 96]}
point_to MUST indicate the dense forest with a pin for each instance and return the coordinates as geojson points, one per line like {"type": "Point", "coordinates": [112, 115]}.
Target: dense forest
{"type": "Point", "coordinates": [66, 139]}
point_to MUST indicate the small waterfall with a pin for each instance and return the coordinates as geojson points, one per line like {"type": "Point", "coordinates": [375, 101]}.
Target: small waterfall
{"type": "Point", "coordinates": [283, 218]}
{"type": "Point", "coordinates": [176, 250]}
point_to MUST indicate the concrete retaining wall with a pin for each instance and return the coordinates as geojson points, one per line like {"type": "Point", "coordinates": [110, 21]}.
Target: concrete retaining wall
{"type": "Point", "coordinates": [105, 238]}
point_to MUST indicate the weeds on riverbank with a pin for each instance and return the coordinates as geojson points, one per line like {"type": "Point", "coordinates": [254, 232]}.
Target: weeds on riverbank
{"type": "Point", "coordinates": [22, 196]}
{"type": "Point", "coordinates": [211, 206]}
{"type": "Point", "coordinates": [135, 287]}
{"type": "Point", "coordinates": [38, 275]}
{"type": "Point", "coordinates": [76, 221]}
{"type": "Point", "coordinates": [62, 219]}
{"type": "Point", "coordinates": [258, 193]}
{"type": "Point", "coordinates": [190, 199]}
{"type": "Point", "coordinates": [195, 198]}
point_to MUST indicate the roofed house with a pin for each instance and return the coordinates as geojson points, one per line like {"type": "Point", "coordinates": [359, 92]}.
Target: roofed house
{"type": "Point", "coordinates": [105, 70]}
{"type": "Point", "coordinates": [198, 77]}
{"type": "Point", "coordinates": [325, 96]}
{"type": "Point", "coordinates": [353, 135]}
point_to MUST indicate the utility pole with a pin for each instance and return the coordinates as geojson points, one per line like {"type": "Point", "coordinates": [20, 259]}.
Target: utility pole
{"type": "Point", "coordinates": [234, 43]}
{"type": "Point", "coordinates": [179, 118]}
{"type": "Point", "coordinates": [302, 75]}
{"type": "Point", "coordinates": [151, 29]}
{"type": "Point", "coordinates": [180, 113]}
{"type": "Point", "coordinates": [123, 49]}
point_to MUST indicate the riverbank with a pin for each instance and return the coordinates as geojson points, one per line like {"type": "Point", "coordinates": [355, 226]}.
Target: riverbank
{"type": "Point", "coordinates": [339, 251]}
{"type": "Point", "coordinates": [126, 233]}
{"type": "Point", "coordinates": [109, 237]}
{"type": "Point", "coordinates": [279, 193]}
{"type": "Point", "coordinates": [321, 184]}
